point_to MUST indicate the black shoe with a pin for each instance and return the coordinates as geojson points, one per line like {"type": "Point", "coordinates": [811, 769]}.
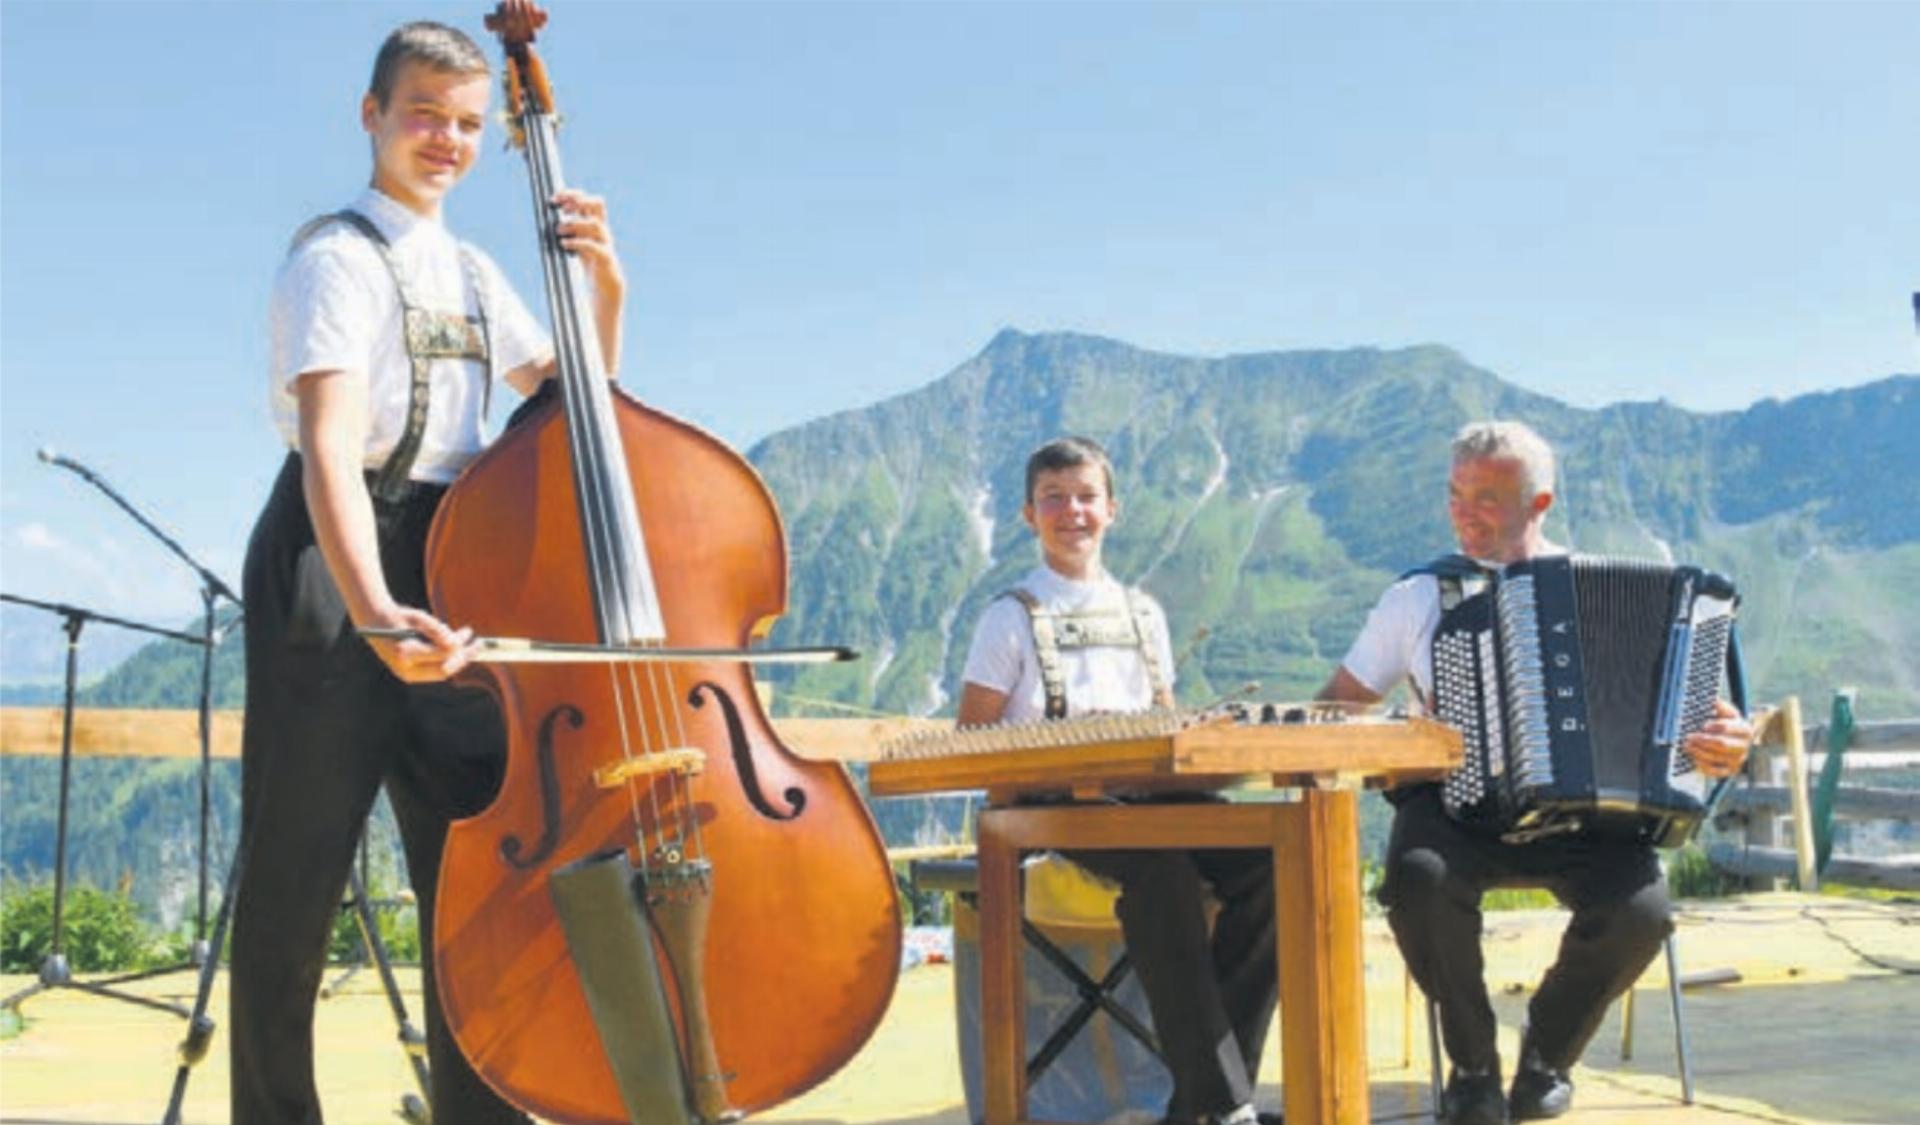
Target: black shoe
{"type": "Point", "coordinates": [1539, 1092]}
{"type": "Point", "coordinates": [1261, 1118]}
{"type": "Point", "coordinates": [1474, 1099]}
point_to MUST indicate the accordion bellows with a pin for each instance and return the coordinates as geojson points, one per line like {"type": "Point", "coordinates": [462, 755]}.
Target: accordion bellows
{"type": "Point", "coordinates": [1574, 681]}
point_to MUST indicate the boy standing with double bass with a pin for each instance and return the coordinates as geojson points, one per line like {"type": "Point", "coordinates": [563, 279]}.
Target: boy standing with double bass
{"type": "Point", "coordinates": [388, 335]}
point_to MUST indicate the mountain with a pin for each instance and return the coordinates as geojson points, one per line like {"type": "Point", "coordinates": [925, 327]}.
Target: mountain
{"type": "Point", "coordinates": [1267, 499]}
{"type": "Point", "coordinates": [33, 653]}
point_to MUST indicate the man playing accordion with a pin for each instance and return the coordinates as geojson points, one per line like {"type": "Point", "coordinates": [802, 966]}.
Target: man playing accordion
{"type": "Point", "coordinates": [1437, 868]}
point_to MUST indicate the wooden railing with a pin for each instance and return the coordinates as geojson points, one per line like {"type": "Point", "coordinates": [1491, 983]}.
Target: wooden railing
{"type": "Point", "coordinates": [1776, 807]}
{"type": "Point", "coordinates": [106, 732]}
{"type": "Point", "coordinates": [132, 733]}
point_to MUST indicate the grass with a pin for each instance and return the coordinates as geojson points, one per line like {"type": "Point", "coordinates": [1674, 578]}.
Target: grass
{"type": "Point", "coordinates": [1888, 895]}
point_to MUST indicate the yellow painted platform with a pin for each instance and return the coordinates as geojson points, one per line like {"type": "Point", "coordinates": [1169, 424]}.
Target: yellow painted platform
{"type": "Point", "coordinates": [1814, 1031]}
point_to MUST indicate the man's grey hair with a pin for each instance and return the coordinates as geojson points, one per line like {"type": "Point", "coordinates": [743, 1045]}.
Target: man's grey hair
{"type": "Point", "coordinates": [1508, 440]}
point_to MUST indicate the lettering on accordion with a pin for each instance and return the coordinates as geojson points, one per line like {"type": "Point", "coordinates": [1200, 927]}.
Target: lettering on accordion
{"type": "Point", "coordinates": [1574, 681]}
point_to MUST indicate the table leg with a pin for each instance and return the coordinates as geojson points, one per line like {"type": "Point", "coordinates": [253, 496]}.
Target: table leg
{"type": "Point", "coordinates": [1003, 1022]}
{"type": "Point", "coordinates": [1316, 873]}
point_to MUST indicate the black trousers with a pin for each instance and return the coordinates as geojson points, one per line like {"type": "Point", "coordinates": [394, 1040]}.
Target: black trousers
{"type": "Point", "coordinates": [1436, 872]}
{"type": "Point", "coordinates": [326, 725]}
{"type": "Point", "coordinates": [1212, 997]}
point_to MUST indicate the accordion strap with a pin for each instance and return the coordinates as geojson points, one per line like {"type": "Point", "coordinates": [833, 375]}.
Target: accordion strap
{"type": "Point", "coordinates": [1460, 577]}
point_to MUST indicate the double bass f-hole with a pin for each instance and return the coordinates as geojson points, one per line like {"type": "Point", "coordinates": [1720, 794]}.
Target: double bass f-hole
{"type": "Point", "coordinates": [796, 798]}
{"type": "Point", "coordinates": [511, 847]}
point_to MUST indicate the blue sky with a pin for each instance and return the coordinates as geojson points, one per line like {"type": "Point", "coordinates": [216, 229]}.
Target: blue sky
{"type": "Point", "coordinates": [821, 206]}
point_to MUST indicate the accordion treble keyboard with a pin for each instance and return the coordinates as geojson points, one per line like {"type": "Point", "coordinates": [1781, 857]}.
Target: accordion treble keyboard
{"type": "Point", "coordinates": [1166, 750]}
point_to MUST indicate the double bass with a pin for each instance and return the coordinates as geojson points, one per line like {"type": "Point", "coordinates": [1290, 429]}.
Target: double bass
{"type": "Point", "coordinates": [598, 520]}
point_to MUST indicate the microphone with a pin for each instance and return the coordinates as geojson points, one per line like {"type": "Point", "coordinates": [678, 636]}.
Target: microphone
{"type": "Point", "coordinates": [209, 579]}
{"type": "Point", "coordinates": [1199, 635]}
{"type": "Point", "coordinates": [48, 454]}
{"type": "Point", "coordinates": [1225, 700]}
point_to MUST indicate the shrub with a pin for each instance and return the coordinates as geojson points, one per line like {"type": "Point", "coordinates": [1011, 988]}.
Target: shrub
{"type": "Point", "coordinates": [1691, 875]}
{"type": "Point", "coordinates": [921, 908]}
{"type": "Point", "coordinates": [398, 926]}
{"type": "Point", "coordinates": [1518, 898]}
{"type": "Point", "coordinates": [103, 932]}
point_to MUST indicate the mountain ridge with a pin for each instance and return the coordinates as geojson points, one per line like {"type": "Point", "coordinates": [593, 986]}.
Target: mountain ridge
{"type": "Point", "coordinates": [1272, 486]}
{"type": "Point", "coordinates": [1267, 499]}
{"type": "Point", "coordinates": [1328, 463]}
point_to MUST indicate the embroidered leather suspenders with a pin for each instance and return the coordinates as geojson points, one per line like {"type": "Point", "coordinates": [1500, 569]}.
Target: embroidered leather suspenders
{"type": "Point", "coordinates": [429, 335]}
{"type": "Point", "coordinates": [1099, 628]}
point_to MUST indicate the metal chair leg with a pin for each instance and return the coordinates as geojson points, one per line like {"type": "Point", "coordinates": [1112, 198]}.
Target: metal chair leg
{"type": "Point", "coordinates": [1681, 1058]}
{"type": "Point", "coordinates": [1626, 1025]}
{"type": "Point", "coordinates": [1433, 1054]}
{"type": "Point", "coordinates": [1679, 1023]}
{"type": "Point", "coordinates": [1406, 1019]}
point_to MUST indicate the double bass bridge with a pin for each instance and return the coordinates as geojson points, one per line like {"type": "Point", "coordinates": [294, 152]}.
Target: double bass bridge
{"type": "Point", "coordinates": [684, 761]}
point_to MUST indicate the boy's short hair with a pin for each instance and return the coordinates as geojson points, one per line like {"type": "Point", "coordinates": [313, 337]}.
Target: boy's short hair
{"type": "Point", "coordinates": [1068, 453]}
{"type": "Point", "coordinates": [435, 44]}
{"type": "Point", "coordinates": [1508, 440]}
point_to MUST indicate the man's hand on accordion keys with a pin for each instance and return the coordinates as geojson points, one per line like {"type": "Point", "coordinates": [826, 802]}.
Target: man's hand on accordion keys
{"type": "Point", "coordinates": [1719, 749]}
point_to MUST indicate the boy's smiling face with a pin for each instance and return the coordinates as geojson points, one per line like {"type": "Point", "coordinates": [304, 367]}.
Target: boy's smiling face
{"type": "Point", "coordinates": [427, 135]}
{"type": "Point", "coordinates": [1070, 510]}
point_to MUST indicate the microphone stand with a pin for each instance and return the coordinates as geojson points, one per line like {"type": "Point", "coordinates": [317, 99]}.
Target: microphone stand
{"type": "Point", "coordinates": [206, 953]}
{"type": "Point", "coordinates": [54, 970]}
{"type": "Point", "coordinates": [211, 589]}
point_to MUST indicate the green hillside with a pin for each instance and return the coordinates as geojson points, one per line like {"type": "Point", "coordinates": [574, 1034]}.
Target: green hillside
{"type": "Point", "coordinates": [1266, 500]}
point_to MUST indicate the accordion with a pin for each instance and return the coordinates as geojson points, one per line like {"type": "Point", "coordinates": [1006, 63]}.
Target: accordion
{"type": "Point", "coordinates": [1575, 681]}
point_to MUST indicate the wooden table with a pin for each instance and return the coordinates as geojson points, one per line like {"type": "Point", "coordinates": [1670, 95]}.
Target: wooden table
{"type": "Point", "coordinates": [1314, 840]}
{"type": "Point", "coordinates": [1316, 876]}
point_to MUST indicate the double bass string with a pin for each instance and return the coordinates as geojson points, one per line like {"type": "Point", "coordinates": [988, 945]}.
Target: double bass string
{"type": "Point", "coordinates": [669, 726]}
{"type": "Point", "coordinates": [599, 519]}
{"type": "Point", "coordinates": [686, 829]}
{"type": "Point", "coordinates": [598, 522]}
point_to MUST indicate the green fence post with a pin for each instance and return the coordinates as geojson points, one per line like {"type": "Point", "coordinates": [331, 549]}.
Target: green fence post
{"type": "Point", "coordinates": [1839, 735]}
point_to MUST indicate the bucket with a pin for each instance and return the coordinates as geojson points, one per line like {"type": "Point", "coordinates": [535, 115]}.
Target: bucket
{"type": "Point", "coordinates": [1104, 1071]}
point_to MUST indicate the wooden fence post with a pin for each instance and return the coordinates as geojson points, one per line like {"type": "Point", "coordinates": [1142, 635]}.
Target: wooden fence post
{"type": "Point", "coordinates": [1763, 827]}
{"type": "Point", "coordinates": [1795, 740]}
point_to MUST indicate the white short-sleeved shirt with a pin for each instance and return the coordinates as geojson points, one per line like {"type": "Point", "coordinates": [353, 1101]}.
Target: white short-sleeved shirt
{"type": "Point", "coordinates": [1397, 640]}
{"type": "Point", "coordinates": [335, 307]}
{"type": "Point", "coordinates": [1104, 678]}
